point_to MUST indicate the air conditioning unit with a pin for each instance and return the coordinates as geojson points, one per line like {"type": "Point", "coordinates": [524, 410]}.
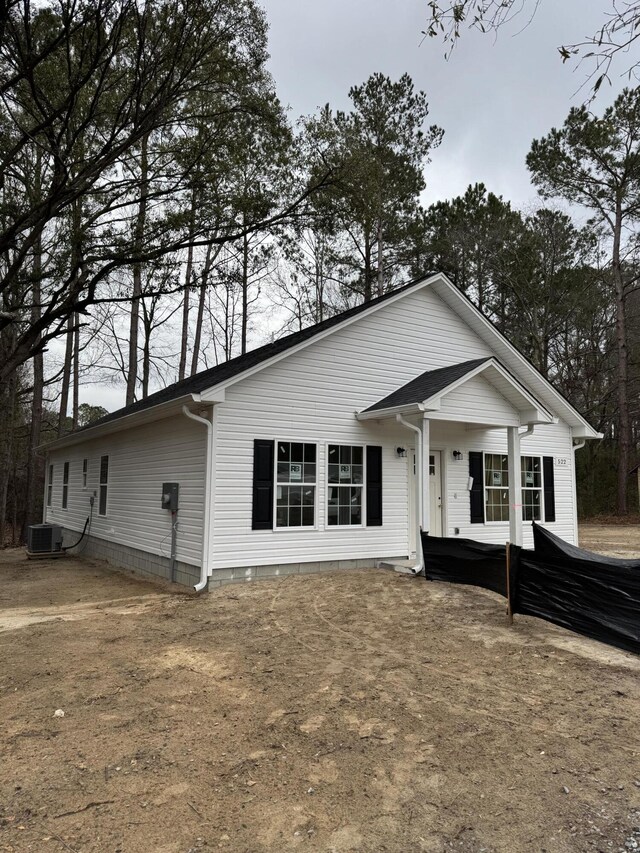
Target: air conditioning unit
{"type": "Point", "coordinates": [44, 538]}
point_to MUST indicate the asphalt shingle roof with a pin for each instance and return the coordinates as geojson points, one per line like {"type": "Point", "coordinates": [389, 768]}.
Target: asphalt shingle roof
{"type": "Point", "coordinates": [427, 385]}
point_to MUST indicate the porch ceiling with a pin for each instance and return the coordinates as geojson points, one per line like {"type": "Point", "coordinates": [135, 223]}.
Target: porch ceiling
{"type": "Point", "coordinates": [433, 393]}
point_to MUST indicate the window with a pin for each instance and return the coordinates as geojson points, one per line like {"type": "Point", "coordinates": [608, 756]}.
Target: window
{"type": "Point", "coordinates": [295, 484]}
{"type": "Point", "coordinates": [50, 486]}
{"type": "Point", "coordinates": [65, 485]}
{"type": "Point", "coordinates": [104, 485]}
{"type": "Point", "coordinates": [85, 467]}
{"type": "Point", "coordinates": [496, 482]}
{"type": "Point", "coordinates": [531, 468]}
{"type": "Point", "coordinates": [346, 479]}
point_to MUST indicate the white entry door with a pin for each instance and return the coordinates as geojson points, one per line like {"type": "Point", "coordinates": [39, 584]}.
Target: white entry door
{"type": "Point", "coordinates": [435, 494]}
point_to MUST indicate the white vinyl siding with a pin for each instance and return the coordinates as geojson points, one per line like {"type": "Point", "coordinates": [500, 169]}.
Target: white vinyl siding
{"type": "Point", "coordinates": [312, 395]}
{"type": "Point", "coordinates": [141, 459]}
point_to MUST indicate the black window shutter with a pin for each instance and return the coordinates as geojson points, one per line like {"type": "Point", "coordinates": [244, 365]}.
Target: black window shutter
{"type": "Point", "coordinates": [262, 518]}
{"type": "Point", "coordinates": [549, 489]}
{"type": "Point", "coordinates": [476, 495]}
{"type": "Point", "coordinates": [374, 486]}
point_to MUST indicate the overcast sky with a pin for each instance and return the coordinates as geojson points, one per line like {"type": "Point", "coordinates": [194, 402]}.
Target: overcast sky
{"type": "Point", "coordinates": [492, 97]}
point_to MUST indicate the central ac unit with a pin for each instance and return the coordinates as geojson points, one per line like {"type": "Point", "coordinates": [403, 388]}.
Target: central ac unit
{"type": "Point", "coordinates": [44, 538]}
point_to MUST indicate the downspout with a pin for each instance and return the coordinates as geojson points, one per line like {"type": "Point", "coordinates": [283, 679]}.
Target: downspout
{"type": "Point", "coordinates": [576, 533]}
{"type": "Point", "coordinates": [204, 563]}
{"type": "Point", "coordinates": [419, 566]}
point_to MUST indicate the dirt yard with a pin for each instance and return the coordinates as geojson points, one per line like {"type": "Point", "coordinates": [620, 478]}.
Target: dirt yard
{"type": "Point", "coordinates": [362, 711]}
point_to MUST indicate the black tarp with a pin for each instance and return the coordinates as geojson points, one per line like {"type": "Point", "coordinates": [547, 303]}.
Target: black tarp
{"type": "Point", "coordinates": [465, 561]}
{"type": "Point", "coordinates": [588, 593]}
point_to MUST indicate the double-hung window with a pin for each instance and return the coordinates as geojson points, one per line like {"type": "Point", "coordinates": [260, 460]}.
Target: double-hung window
{"type": "Point", "coordinates": [85, 468]}
{"type": "Point", "coordinates": [65, 485]}
{"type": "Point", "coordinates": [296, 472]}
{"type": "Point", "coordinates": [345, 475]}
{"type": "Point", "coordinates": [496, 487]}
{"type": "Point", "coordinates": [531, 468]}
{"type": "Point", "coordinates": [104, 485]}
{"type": "Point", "coordinates": [50, 486]}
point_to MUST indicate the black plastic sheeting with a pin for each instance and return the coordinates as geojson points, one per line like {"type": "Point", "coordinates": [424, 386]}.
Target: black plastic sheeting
{"type": "Point", "coordinates": [588, 593]}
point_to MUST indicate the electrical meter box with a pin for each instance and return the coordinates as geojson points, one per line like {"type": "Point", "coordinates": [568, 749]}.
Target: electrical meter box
{"type": "Point", "coordinates": [170, 496]}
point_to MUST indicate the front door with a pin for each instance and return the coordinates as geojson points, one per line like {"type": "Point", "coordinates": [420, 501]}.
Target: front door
{"type": "Point", "coordinates": [435, 494]}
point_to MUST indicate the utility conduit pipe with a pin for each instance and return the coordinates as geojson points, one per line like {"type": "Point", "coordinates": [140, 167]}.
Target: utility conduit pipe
{"type": "Point", "coordinates": [419, 566]}
{"type": "Point", "coordinates": [204, 563]}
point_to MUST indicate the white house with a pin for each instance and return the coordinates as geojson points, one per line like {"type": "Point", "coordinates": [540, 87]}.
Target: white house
{"type": "Point", "coordinates": [329, 448]}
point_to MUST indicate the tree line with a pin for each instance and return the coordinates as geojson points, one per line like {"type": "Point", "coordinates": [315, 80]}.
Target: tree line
{"type": "Point", "coordinates": [160, 212]}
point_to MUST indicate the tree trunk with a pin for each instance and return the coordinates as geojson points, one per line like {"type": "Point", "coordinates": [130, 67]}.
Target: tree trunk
{"type": "Point", "coordinates": [33, 490]}
{"type": "Point", "coordinates": [245, 293]}
{"type": "Point", "coordinates": [182, 367]}
{"type": "Point", "coordinates": [76, 371]}
{"type": "Point", "coordinates": [202, 295]}
{"type": "Point", "coordinates": [134, 322]}
{"type": "Point", "coordinates": [380, 274]}
{"type": "Point", "coordinates": [146, 359]}
{"type": "Point", "coordinates": [66, 379]}
{"type": "Point", "coordinates": [7, 437]}
{"type": "Point", "coordinates": [624, 422]}
{"type": "Point", "coordinates": [367, 269]}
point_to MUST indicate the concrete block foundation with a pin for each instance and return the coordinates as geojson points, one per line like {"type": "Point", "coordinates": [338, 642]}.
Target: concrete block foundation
{"type": "Point", "coordinates": [155, 566]}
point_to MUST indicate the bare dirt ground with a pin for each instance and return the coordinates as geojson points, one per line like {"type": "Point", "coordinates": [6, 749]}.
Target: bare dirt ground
{"type": "Point", "coordinates": [361, 711]}
{"type": "Point", "coordinates": [615, 540]}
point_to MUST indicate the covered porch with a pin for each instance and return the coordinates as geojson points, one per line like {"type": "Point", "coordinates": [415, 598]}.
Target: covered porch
{"type": "Point", "coordinates": [447, 411]}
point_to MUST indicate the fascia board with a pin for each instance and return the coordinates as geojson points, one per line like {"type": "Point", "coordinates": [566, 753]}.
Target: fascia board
{"type": "Point", "coordinates": [161, 410]}
{"type": "Point", "coordinates": [381, 414]}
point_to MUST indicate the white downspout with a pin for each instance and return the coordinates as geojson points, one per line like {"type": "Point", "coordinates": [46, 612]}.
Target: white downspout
{"type": "Point", "coordinates": [574, 447]}
{"type": "Point", "coordinates": [419, 566]}
{"type": "Point", "coordinates": [204, 564]}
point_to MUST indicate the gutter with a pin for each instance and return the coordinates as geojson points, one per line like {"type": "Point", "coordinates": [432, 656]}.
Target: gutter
{"type": "Point", "coordinates": [204, 563]}
{"type": "Point", "coordinates": [419, 565]}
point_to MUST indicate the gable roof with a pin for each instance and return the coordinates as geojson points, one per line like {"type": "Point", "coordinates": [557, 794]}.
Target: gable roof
{"type": "Point", "coordinates": [235, 368]}
{"type": "Point", "coordinates": [427, 385]}
{"type": "Point", "coordinates": [425, 392]}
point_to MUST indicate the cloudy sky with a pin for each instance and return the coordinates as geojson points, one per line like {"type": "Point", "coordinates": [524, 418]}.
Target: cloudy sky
{"type": "Point", "coordinates": [492, 97]}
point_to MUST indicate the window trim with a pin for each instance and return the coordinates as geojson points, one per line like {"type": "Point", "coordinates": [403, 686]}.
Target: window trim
{"type": "Point", "coordinates": [316, 486]}
{"type": "Point", "coordinates": [85, 473]}
{"type": "Point", "coordinates": [486, 453]}
{"type": "Point", "coordinates": [64, 499]}
{"type": "Point", "coordinates": [362, 486]}
{"type": "Point", "coordinates": [50, 485]}
{"type": "Point", "coordinates": [104, 485]}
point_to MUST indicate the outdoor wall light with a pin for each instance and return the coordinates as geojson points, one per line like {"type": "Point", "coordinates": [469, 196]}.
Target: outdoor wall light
{"type": "Point", "coordinates": [401, 451]}
{"type": "Point", "coordinates": [457, 455]}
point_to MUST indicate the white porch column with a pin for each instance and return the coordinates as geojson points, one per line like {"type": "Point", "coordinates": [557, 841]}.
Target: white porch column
{"type": "Point", "coordinates": [425, 499]}
{"type": "Point", "coordinates": [515, 490]}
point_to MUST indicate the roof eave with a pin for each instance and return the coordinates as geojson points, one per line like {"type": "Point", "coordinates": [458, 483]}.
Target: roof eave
{"type": "Point", "coordinates": [157, 412]}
